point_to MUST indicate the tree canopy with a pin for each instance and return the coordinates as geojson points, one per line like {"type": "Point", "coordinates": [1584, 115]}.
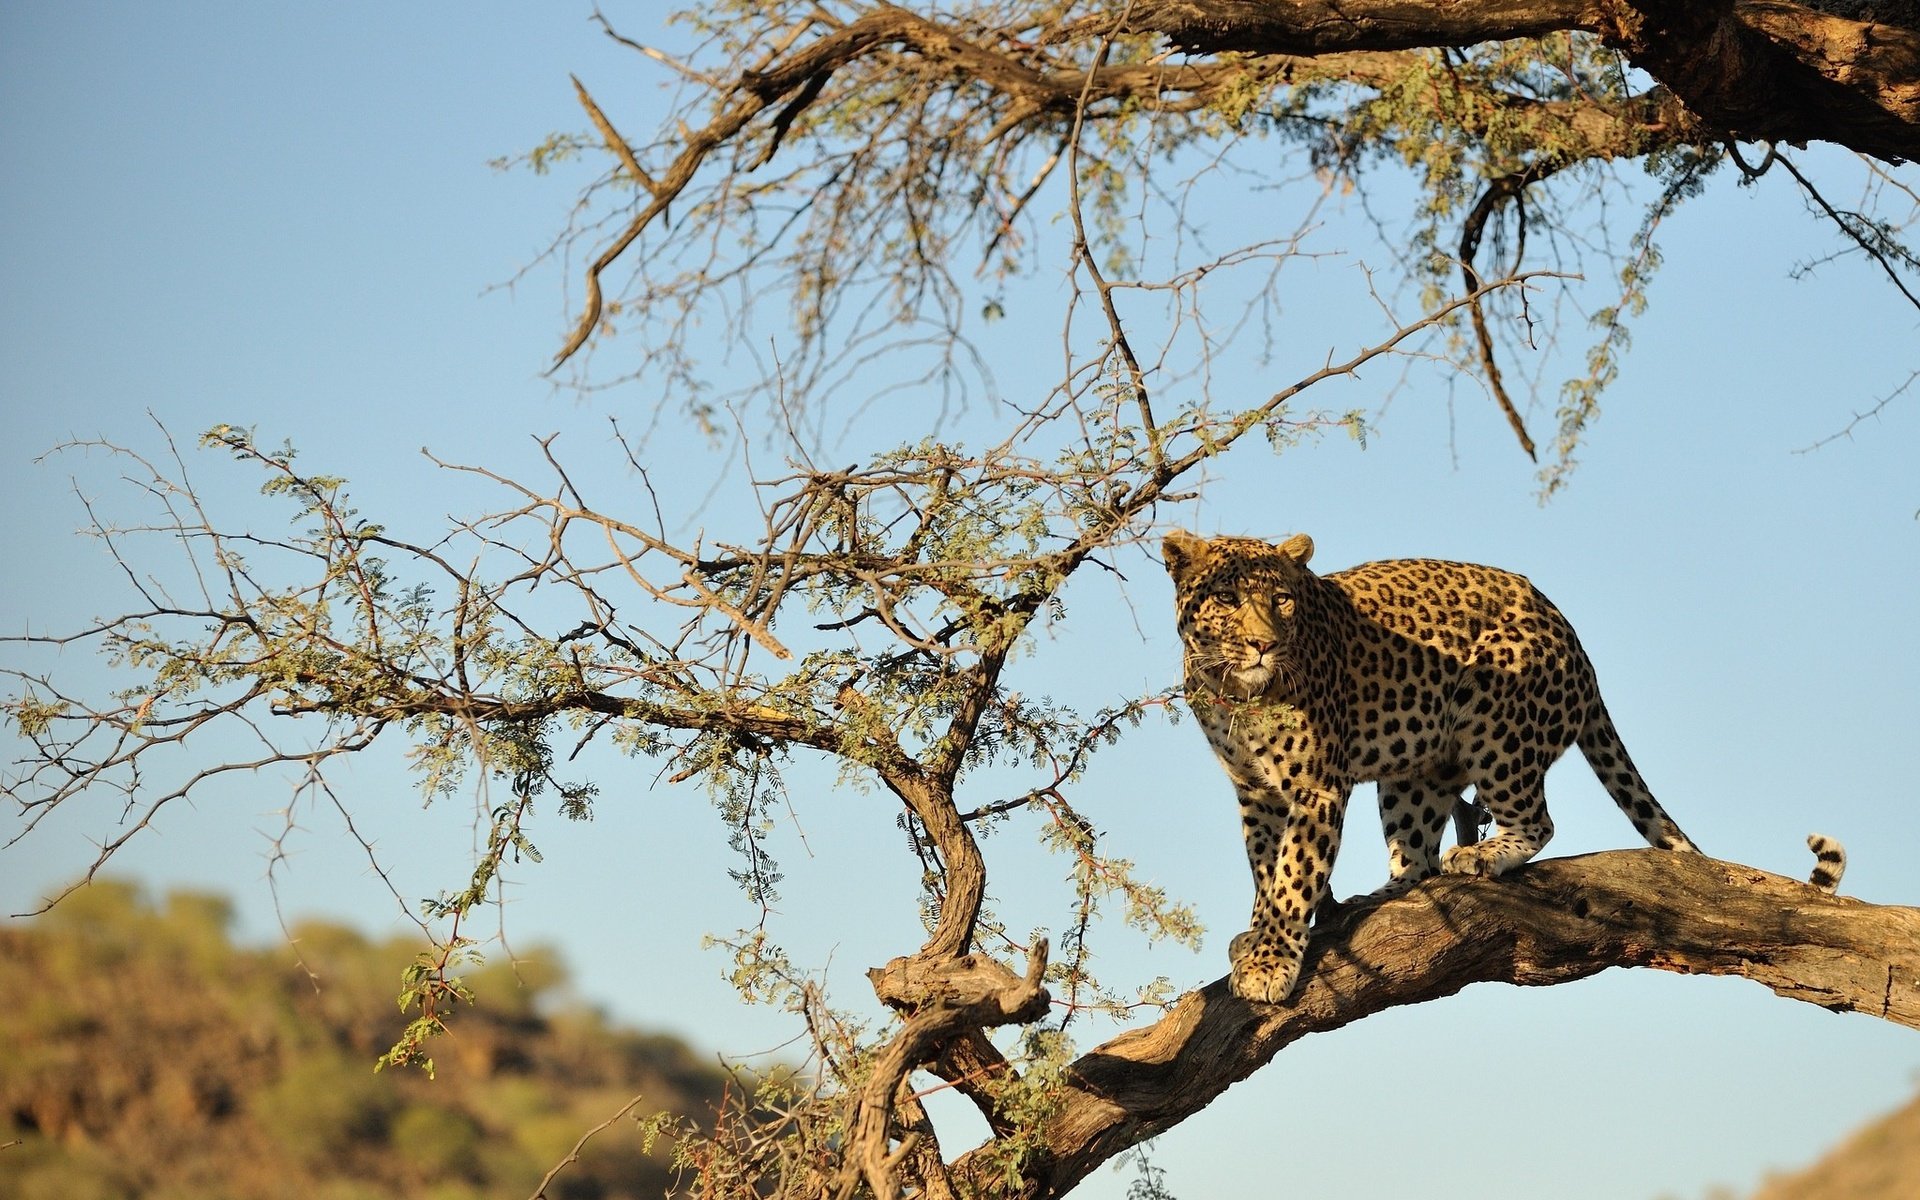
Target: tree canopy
{"type": "Point", "coordinates": [812, 136]}
{"type": "Point", "coordinates": [872, 180]}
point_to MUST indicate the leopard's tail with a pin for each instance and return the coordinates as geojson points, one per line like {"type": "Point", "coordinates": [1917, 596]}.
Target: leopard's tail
{"type": "Point", "coordinates": [1600, 743]}
{"type": "Point", "coordinates": [1830, 862]}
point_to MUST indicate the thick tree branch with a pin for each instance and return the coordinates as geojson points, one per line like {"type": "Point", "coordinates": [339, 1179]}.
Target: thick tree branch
{"type": "Point", "coordinates": [1754, 69]}
{"type": "Point", "coordinates": [1551, 922]}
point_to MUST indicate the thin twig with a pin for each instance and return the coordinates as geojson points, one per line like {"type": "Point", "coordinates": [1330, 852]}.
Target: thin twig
{"type": "Point", "coordinates": [1498, 192]}
{"type": "Point", "coordinates": [573, 1155]}
{"type": "Point", "coordinates": [612, 137]}
{"type": "Point", "coordinates": [1846, 227]}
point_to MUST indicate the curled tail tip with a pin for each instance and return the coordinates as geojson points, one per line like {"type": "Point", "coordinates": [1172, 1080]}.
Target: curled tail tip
{"type": "Point", "coordinates": [1830, 862]}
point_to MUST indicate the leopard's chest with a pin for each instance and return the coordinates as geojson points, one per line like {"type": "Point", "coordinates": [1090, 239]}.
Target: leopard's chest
{"type": "Point", "coordinates": [1374, 719]}
{"type": "Point", "coordinates": [1267, 744]}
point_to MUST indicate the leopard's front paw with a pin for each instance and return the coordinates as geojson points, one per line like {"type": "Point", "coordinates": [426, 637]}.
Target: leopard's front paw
{"type": "Point", "coordinates": [1261, 973]}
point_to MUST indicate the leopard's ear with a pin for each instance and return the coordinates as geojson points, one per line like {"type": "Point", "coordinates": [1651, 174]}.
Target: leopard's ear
{"type": "Point", "coordinates": [1299, 548]}
{"type": "Point", "coordinates": [1184, 554]}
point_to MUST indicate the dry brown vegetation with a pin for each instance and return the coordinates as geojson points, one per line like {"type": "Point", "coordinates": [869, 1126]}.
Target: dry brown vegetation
{"type": "Point", "coordinates": [1880, 1161]}
{"type": "Point", "coordinates": [143, 1053]}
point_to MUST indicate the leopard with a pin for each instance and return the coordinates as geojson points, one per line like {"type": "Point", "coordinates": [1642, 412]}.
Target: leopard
{"type": "Point", "coordinates": [1425, 676]}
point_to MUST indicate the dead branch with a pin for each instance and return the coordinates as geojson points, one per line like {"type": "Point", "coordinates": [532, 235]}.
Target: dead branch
{"type": "Point", "coordinates": [573, 1155]}
{"type": "Point", "coordinates": [1508, 189]}
{"type": "Point", "coordinates": [1551, 922]}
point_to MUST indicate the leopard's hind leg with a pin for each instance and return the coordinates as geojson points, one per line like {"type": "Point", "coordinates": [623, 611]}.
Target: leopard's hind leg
{"type": "Point", "coordinates": [1522, 827]}
{"type": "Point", "coordinates": [1413, 816]}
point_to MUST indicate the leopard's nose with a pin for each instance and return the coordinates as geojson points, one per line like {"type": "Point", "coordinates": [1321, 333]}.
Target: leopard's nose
{"type": "Point", "coordinates": [1259, 645]}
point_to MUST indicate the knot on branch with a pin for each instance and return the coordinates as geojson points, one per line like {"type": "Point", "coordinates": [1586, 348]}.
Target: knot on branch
{"type": "Point", "coordinates": [942, 999]}
{"type": "Point", "coordinates": [970, 990]}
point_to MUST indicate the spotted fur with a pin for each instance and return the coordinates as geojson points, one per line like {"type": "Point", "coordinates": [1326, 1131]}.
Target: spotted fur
{"type": "Point", "coordinates": [1429, 677]}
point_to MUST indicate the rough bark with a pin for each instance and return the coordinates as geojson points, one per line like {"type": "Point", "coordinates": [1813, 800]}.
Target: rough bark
{"type": "Point", "coordinates": [1752, 69]}
{"type": "Point", "coordinates": [1551, 922]}
{"type": "Point", "coordinates": [947, 1000]}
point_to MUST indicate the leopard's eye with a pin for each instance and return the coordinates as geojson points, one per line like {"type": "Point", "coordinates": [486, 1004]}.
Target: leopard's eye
{"type": "Point", "coordinates": [1224, 596]}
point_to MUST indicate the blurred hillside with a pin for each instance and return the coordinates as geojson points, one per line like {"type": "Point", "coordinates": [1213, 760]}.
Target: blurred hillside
{"type": "Point", "coordinates": [1879, 1162]}
{"type": "Point", "coordinates": [143, 1054]}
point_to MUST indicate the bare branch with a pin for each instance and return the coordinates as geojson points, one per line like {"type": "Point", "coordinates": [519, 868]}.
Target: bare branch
{"type": "Point", "coordinates": [1857, 230]}
{"type": "Point", "coordinates": [615, 143]}
{"type": "Point", "coordinates": [1872, 411]}
{"type": "Point", "coordinates": [573, 1155]}
{"type": "Point", "coordinates": [1508, 189]}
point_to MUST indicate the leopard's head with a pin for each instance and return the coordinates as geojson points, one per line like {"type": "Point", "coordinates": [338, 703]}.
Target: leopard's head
{"type": "Point", "coordinates": [1238, 601]}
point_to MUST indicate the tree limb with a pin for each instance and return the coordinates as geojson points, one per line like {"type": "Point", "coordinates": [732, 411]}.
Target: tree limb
{"type": "Point", "coordinates": [1754, 69]}
{"type": "Point", "coordinates": [1507, 189]}
{"type": "Point", "coordinates": [946, 999]}
{"type": "Point", "coordinates": [1550, 922]}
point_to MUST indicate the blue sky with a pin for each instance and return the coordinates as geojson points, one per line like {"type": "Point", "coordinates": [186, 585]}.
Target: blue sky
{"type": "Point", "coordinates": [284, 217]}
